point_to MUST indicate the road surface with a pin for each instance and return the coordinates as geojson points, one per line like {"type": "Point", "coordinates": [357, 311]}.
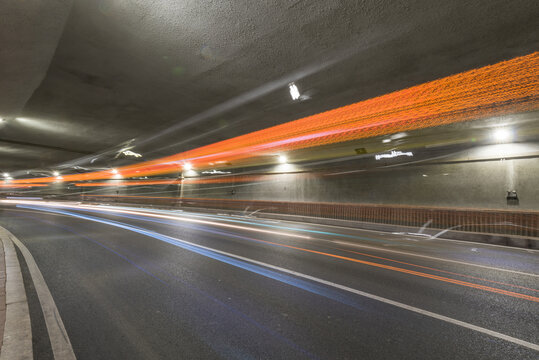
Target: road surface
{"type": "Point", "coordinates": [133, 283]}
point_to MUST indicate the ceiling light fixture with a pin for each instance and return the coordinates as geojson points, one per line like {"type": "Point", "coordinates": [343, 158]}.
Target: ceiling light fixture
{"type": "Point", "coordinates": [283, 159]}
{"type": "Point", "coordinates": [131, 153]}
{"type": "Point", "coordinates": [55, 173]}
{"type": "Point", "coordinates": [6, 175]}
{"type": "Point", "coordinates": [294, 91]}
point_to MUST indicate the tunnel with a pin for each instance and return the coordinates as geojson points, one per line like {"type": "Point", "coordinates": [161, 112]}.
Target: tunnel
{"type": "Point", "coordinates": [269, 179]}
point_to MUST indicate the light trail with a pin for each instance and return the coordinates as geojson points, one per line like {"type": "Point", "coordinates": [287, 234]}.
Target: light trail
{"type": "Point", "coordinates": [216, 180]}
{"type": "Point", "coordinates": [436, 258]}
{"type": "Point", "coordinates": [265, 270]}
{"type": "Point", "coordinates": [439, 270]}
{"type": "Point", "coordinates": [143, 217]}
{"type": "Point", "coordinates": [176, 218]}
{"type": "Point", "coordinates": [507, 87]}
{"type": "Point", "coordinates": [388, 267]}
{"type": "Point", "coordinates": [411, 272]}
{"type": "Point", "coordinates": [21, 186]}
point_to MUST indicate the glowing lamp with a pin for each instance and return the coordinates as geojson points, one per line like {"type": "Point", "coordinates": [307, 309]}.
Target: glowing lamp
{"type": "Point", "coordinates": [187, 166]}
{"type": "Point", "coordinates": [502, 135]}
{"type": "Point", "coordinates": [294, 91]}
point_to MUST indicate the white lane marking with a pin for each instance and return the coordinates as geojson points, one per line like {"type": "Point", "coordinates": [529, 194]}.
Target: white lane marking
{"type": "Point", "coordinates": [358, 292]}
{"type": "Point", "coordinates": [17, 341]}
{"type": "Point", "coordinates": [471, 243]}
{"type": "Point", "coordinates": [182, 218]}
{"type": "Point", "coordinates": [61, 346]}
{"type": "Point", "coordinates": [187, 213]}
{"type": "Point", "coordinates": [357, 229]}
{"type": "Point", "coordinates": [434, 258]}
{"type": "Point", "coordinates": [371, 296]}
{"type": "Point", "coordinates": [156, 215]}
{"type": "Point", "coordinates": [378, 298]}
{"type": "Point", "coordinates": [151, 214]}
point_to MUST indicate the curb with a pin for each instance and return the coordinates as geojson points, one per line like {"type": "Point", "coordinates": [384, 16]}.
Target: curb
{"type": "Point", "coordinates": [17, 338]}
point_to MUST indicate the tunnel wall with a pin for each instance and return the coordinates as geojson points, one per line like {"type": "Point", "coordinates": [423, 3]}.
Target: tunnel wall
{"type": "Point", "coordinates": [464, 183]}
{"type": "Point", "coordinates": [467, 191]}
{"type": "Point", "coordinates": [465, 195]}
{"type": "Point", "coordinates": [468, 184]}
{"type": "Point", "coordinates": [469, 180]}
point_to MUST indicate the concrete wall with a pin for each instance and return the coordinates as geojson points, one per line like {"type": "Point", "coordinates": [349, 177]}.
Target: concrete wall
{"type": "Point", "coordinates": [477, 178]}
{"type": "Point", "coordinates": [471, 184]}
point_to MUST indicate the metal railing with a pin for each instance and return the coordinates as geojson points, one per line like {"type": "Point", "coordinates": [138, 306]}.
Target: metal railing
{"type": "Point", "coordinates": [509, 222]}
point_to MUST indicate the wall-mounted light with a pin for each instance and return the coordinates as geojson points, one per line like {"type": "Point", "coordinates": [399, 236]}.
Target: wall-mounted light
{"type": "Point", "coordinates": [393, 154]}
{"type": "Point", "coordinates": [502, 135]}
{"type": "Point", "coordinates": [214, 172]}
{"type": "Point", "coordinates": [187, 166]}
{"type": "Point", "coordinates": [294, 91]}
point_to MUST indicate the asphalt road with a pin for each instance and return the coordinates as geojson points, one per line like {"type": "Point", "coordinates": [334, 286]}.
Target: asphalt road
{"type": "Point", "coordinates": [173, 285]}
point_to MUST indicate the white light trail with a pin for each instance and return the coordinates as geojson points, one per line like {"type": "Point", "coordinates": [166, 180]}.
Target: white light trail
{"type": "Point", "coordinates": [142, 213]}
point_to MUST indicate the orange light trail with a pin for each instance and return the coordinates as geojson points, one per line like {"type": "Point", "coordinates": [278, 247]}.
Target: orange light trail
{"type": "Point", "coordinates": [412, 272]}
{"type": "Point", "coordinates": [130, 183]}
{"type": "Point", "coordinates": [222, 180]}
{"type": "Point", "coordinates": [18, 186]}
{"type": "Point", "coordinates": [507, 87]}
{"type": "Point", "coordinates": [364, 262]}
{"type": "Point", "coordinates": [439, 270]}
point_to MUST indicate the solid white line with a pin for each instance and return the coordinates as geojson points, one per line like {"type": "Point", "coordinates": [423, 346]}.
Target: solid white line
{"type": "Point", "coordinates": [61, 346]}
{"type": "Point", "coordinates": [441, 240]}
{"type": "Point", "coordinates": [378, 298]}
{"type": "Point", "coordinates": [478, 244]}
{"type": "Point", "coordinates": [434, 258]}
{"type": "Point", "coordinates": [361, 293]}
{"type": "Point", "coordinates": [153, 214]}
{"type": "Point", "coordinates": [17, 341]}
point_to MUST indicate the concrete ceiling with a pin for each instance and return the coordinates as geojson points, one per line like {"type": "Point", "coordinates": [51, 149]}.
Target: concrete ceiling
{"type": "Point", "coordinates": [86, 77]}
